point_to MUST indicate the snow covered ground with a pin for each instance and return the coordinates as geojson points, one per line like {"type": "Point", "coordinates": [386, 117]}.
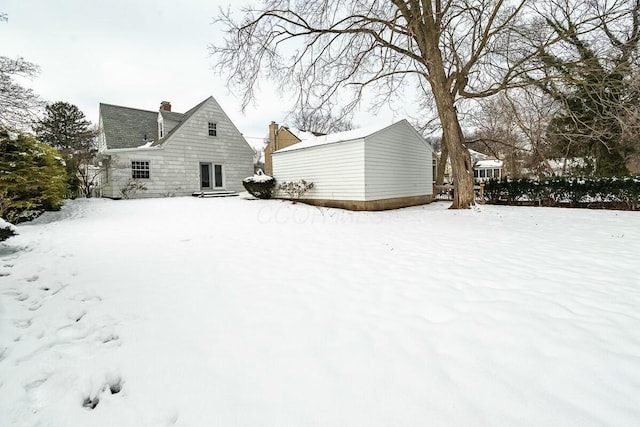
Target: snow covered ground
{"type": "Point", "coordinates": [237, 312]}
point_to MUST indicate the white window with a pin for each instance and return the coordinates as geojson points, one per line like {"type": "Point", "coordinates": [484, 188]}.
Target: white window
{"type": "Point", "coordinates": [213, 129]}
{"type": "Point", "coordinates": [139, 169]}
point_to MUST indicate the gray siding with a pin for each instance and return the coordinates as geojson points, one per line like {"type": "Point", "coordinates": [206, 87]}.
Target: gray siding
{"type": "Point", "coordinates": [398, 163]}
{"type": "Point", "coordinates": [336, 170]}
{"type": "Point", "coordinates": [175, 166]}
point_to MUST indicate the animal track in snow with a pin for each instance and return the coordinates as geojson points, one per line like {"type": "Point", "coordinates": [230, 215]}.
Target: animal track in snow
{"type": "Point", "coordinates": [32, 278]}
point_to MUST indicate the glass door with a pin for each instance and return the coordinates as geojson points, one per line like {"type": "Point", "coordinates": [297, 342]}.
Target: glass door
{"type": "Point", "coordinates": [205, 176]}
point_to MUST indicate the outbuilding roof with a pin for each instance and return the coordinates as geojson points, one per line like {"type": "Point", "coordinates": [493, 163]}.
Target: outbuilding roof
{"type": "Point", "coordinates": [349, 135]}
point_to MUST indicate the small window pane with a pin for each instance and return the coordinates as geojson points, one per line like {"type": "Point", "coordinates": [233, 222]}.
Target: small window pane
{"type": "Point", "coordinates": [218, 175]}
{"type": "Point", "coordinates": [213, 129]}
{"type": "Point", "coordinates": [139, 170]}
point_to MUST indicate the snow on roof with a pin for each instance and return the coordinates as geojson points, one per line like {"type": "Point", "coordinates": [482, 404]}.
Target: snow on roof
{"type": "Point", "coordinates": [489, 164]}
{"type": "Point", "coordinates": [349, 135]}
{"type": "Point", "coordinates": [302, 135]}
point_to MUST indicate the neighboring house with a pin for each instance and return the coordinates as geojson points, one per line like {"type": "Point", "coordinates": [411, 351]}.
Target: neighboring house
{"type": "Point", "coordinates": [384, 167]}
{"type": "Point", "coordinates": [169, 153]}
{"type": "Point", "coordinates": [282, 137]}
{"type": "Point", "coordinates": [484, 168]}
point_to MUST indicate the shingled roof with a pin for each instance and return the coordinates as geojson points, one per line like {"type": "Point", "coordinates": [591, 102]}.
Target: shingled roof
{"type": "Point", "coordinates": [126, 127]}
{"type": "Point", "coordinates": [183, 119]}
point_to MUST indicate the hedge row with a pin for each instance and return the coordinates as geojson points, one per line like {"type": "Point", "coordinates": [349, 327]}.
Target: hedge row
{"type": "Point", "coordinates": [620, 193]}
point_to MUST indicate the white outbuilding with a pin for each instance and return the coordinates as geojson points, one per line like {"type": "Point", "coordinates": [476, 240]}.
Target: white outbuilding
{"type": "Point", "coordinates": [376, 168]}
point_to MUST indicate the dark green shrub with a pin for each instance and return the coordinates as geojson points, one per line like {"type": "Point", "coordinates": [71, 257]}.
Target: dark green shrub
{"type": "Point", "coordinates": [259, 185]}
{"type": "Point", "coordinates": [32, 176]}
{"type": "Point", "coordinates": [586, 192]}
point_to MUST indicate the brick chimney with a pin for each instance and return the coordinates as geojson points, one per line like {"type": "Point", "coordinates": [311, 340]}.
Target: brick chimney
{"type": "Point", "coordinates": [273, 132]}
{"type": "Point", "coordinates": [165, 106]}
{"type": "Point", "coordinates": [270, 148]}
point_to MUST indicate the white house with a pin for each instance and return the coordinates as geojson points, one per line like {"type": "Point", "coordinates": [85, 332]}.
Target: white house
{"type": "Point", "coordinates": [383, 167]}
{"type": "Point", "coordinates": [164, 153]}
{"type": "Point", "coordinates": [486, 169]}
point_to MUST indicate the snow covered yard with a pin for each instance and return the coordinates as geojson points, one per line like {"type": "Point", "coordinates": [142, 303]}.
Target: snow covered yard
{"type": "Point", "coordinates": [232, 312]}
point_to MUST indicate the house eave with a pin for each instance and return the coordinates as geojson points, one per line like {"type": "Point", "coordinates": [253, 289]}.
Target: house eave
{"type": "Point", "coordinates": [109, 151]}
{"type": "Point", "coordinates": [291, 148]}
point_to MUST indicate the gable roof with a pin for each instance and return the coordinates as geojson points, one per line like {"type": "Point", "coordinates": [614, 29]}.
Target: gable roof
{"type": "Point", "coordinates": [171, 115]}
{"type": "Point", "coordinates": [126, 127]}
{"type": "Point", "coordinates": [183, 119]}
{"type": "Point", "coordinates": [349, 135]}
{"type": "Point", "coordinates": [301, 134]}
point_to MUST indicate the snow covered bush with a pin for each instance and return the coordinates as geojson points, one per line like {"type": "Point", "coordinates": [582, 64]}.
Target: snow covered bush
{"type": "Point", "coordinates": [32, 176]}
{"type": "Point", "coordinates": [132, 187]}
{"type": "Point", "coordinates": [295, 189]}
{"type": "Point", "coordinates": [259, 185]}
{"type": "Point", "coordinates": [6, 230]}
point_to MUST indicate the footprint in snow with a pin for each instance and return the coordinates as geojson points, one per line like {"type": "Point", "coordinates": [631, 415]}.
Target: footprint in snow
{"type": "Point", "coordinates": [90, 402]}
{"type": "Point", "coordinates": [35, 305]}
{"type": "Point", "coordinates": [23, 324]}
{"type": "Point", "coordinates": [32, 279]}
{"type": "Point", "coordinates": [22, 297]}
{"type": "Point", "coordinates": [35, 384]}
{"type": "Point", "coordinates": [113, 387]}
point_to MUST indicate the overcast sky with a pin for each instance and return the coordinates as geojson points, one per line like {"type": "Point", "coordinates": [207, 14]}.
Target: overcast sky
{"type": "Point", "coordinates": [134, 53]}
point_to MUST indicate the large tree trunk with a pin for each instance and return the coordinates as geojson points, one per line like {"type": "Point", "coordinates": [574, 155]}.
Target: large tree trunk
{"type": "Point", "coordinates": [442, 162]}
{"type": "Point", "coordinates": [461, 166]}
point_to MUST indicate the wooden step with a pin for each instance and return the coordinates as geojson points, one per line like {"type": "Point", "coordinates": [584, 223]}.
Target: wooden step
{"type": "Point", "coordinates": [219, 193]}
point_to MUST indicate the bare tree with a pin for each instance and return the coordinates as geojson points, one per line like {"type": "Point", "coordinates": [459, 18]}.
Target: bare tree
{"type": "Point", "coordinates": [498, 133]}
{"type": "Point", "coordinates": [330, 51]}
{"type": "Point", "coordinates": [452, 49]}
{"type": "Point", "coordinates": [18, 105]}
{"type": "Point", "coordinates": [319, 121]}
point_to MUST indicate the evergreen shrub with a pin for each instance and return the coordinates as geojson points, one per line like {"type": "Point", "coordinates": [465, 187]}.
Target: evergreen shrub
{"type": "Point", "coordinates": [32, 177]}
{"type": "Point", "coordinates": [621, 193]}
